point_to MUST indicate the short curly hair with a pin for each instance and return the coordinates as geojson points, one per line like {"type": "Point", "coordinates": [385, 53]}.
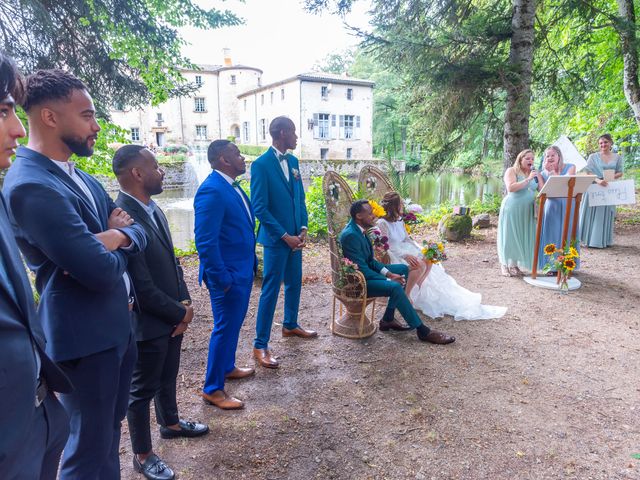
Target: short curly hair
{"type": "Point", "coordinates": [52, 84]}
{"type": "Point", "coordinates": [11, 81]}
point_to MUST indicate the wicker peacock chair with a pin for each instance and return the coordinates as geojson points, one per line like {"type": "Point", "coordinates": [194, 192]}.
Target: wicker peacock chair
{"type": "Point", "coordinates": [350, 289]}
{"type": "Point", "coordinates": [374, 183]}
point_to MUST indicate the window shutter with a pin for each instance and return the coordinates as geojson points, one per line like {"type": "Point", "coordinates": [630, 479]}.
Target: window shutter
{"type": "Point", "coordinates": [341, 130]}
{"type": "Point", "coordinates": [316, 128]}
{"type": "Point", "coordinates": [334, 130]}
{"type": "Point", "coordinates": [357, 129]}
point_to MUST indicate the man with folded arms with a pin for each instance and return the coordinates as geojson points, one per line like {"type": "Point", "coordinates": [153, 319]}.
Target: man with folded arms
{"type": "Point", "coordinates": [383, 280]}
{"type": "Point", "coordinates": [226, 243]}
{"type": "Point", "coordinates": [78, 242]}
{"type": "Point", "coordinates": [35, 427]}
{"type": "Point", "coordinates": [164, 314]}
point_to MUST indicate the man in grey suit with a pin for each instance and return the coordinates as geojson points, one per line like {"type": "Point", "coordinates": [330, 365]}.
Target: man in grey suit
{"type": "Point", "coordinates": [35, 427]}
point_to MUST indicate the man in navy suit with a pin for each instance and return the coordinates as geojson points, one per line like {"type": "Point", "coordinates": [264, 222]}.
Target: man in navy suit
{"type": "Point", "coordinates": [35, 427]}
{"type": "Point", "coordinates": [225, 239]}
{"type": "Point", "coordinates": [277, 194]}
{"type": "Point", "coordinates": [77, 241]}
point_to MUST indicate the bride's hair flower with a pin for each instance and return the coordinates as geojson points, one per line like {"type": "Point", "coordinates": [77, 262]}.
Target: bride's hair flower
{"type": "Point", "coordinates": [377, 209]}
{"type": "Point", "coordinates": [549, 249]}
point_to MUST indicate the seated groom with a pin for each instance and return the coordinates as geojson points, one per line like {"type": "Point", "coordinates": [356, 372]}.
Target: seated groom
{"type": "Point", "coordinates": [383, 280]}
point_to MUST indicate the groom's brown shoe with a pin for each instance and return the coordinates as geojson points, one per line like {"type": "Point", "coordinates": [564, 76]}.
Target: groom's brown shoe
{"type": "Point", "coordinates": [238, 373]}
{"type": "Point", "coordinates": [220, 399]}
{"type": "Point", "coordinates": [436, 337]}
{"type": "Point", "coordinates": [299, 332]}
{"type": "Point", "coordinates": [393, 325]}
{"type": "Point", "coordinates": [264, 358]}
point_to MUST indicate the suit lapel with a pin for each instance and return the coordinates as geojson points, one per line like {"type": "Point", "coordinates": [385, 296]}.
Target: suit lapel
{"type": "Point", "coordinates": [232, 191]}
{"type": "Point", "coordinates": [143, 217]}
{"type": "Point", "coordinates": [278, 167]}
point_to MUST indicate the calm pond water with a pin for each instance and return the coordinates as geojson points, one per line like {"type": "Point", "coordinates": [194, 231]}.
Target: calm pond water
{"type": "Point", "coordinates": [426, 190]}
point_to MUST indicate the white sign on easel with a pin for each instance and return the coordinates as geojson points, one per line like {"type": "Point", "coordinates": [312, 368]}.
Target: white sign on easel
{"type": "Point", "coordinates": [622, 192]}
{"type": "Point", "coordinates": [557, 186]}
{"type": "Point", "coordinates": [570, 153]}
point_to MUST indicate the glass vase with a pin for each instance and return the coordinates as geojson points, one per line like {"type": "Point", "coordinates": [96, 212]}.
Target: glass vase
{"type": "Point", "coordinates": [564, 285]}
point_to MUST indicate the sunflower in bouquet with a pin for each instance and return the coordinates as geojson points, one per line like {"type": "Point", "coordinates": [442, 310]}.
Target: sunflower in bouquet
{"type": "Point", "coordinates": [563, 260]}
{"type": "Point", "coordinates": [433, 251]}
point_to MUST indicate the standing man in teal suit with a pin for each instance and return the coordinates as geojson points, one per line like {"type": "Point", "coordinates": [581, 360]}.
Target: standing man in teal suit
{"type": "Point", "coordinates": [277, 195]}
{"type": "Point", "coordinates": [226, 243]}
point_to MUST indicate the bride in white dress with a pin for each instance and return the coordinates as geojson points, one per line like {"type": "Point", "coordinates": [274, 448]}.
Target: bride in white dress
{"type": "Point", "coordinates": [429, 287]}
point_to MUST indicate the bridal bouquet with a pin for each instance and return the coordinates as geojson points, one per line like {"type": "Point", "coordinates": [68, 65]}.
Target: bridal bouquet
{"type": "Point", "coordinates": [433, 251]}
{"type": "Point", "coordinates": [410, 215]}
{"type": "Point", "coordinates": [561, 260]}
{"type": "Point", "coordinates": [380, 242]}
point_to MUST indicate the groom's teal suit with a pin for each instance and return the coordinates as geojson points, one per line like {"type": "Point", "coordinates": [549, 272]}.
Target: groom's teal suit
{"type": "Point", "coordinates": [279, 206]}
{"type": "Point", "coordinates": [357, 248]}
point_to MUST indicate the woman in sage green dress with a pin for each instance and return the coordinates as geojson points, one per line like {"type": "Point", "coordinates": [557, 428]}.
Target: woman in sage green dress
{"type": "Point", "coordinates": [596, 223]}
{"type": "Point", "coordinates": [516, 225]}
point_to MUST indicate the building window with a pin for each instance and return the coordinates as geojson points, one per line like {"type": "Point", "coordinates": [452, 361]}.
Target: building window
{"type": "Point", "coordinates": [159, 117]}
{"type": "Point", "coordinates": [282, 94]}
{"type": "Point", "coordinates": [245, 104]}
{"type": "Point", "coordinates": [199, 80]}
{"type": "Point", "coordinates": [245, 132]}
{"type": "Point", "coordinates": [233, 79]}
{"type": "Point", "coordinates": [271, 98]}
{"type": "Point", "coordinates": [349, 93]}
{"type": "Point", "coordinates": [263, 129]}
{"type": "Point", "coordinates": [201, 132]}
{"type": "Point", "coordinates": [323, 125]}
{"type": "Point", "coordinates": [324, 153]}
{"type": "Point", "coordinates": [199, 105]}
{"type": "Point", "coordinates": [262, 99]}
{"type": "Point", "coordinates": [346, 125]}
{"type": "Point", "coordinates": [324, 92]}
{"type": "Point", "coordinates": [349, 153]}
{"type": "Point", "coordinates": [135, 134]}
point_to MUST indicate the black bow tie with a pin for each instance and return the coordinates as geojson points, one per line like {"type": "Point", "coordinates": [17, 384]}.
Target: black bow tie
{"type": "Point", "coordinates": [236, 183]}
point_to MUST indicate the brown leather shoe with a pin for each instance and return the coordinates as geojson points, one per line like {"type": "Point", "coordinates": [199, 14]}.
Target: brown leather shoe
{"type": "Point", "coordinates": [239, 372]}
{"type": "Point", "coordinates": [436, 337]}
{"type": "Point", "coordinates": [299, 332]}
{"type": "Point", "coordinates": [220, 399]}
{"type": "Point", "coordinates": [264, 358]}
{"type": "Point", "coordinates": [393, 325]}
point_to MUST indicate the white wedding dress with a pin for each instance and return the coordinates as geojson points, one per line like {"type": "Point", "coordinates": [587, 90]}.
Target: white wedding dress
{"type": "Point", "coordinates": [439, 294]}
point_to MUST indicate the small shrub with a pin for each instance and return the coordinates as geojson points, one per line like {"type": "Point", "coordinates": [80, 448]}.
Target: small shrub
{"type": "Point", "coordinates": [254, 150]}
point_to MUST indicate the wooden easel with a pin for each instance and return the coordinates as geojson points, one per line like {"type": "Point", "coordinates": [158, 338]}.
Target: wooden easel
{"type": "Point", "coordinates": [571, 187]}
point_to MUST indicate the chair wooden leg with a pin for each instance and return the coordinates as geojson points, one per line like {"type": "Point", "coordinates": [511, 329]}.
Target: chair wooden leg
{"type": "Point", "coordinates": [333, 315]}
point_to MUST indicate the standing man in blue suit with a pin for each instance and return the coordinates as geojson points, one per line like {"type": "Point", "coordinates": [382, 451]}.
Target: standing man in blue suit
{"type": "Point", "coordinates": [225, 239]}
{"type": "Point", "coordinates": [277, 194]}
{"type": "Point", "coordinates": [77, 241]}
{"type": "Point", "coordinates": [35, 427]}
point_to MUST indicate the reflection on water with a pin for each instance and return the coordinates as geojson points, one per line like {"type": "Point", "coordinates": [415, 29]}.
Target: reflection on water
{"type": "Point", "coordinates": [427, 190]}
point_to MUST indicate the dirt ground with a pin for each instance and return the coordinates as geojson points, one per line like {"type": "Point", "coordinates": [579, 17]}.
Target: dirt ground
{"type": "Point", "coordinates": [550, 391]}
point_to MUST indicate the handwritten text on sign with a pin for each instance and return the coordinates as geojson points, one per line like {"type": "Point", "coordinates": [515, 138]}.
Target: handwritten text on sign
{"type": "Point", "coordinates": [622, 192]}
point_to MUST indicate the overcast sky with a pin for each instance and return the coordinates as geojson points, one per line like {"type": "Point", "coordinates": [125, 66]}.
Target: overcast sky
{"type": "Point", "coordinates": [278, 36]}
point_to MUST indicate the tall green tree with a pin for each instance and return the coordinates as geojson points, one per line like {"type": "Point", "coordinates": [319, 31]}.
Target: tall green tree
{"type": "Point", "coordinates": [127, 51]}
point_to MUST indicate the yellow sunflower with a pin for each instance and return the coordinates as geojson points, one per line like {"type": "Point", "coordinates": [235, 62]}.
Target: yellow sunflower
{"type": "Point", "coordinates": [424, 251]}
{"type": "Point", "coordinates": [407, 228]}
{"type": "Point", "coordinates": [440, 246]}
{"type": "Point", "coordinates": [377, 209]}
{"type": "Point", "coordinates": [550, 249]}
{"type": "Point", "coordinates": [573, 252]}
{"type": "Point", "coordinates": [569, 264]}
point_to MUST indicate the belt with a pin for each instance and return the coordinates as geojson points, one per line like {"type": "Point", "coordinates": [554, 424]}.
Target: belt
{"type": "Point", "coordinates": [41, 392]}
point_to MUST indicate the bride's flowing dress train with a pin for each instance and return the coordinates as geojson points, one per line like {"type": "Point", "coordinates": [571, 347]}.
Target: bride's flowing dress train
{"type": "Point", "coordinates": [439, 294]}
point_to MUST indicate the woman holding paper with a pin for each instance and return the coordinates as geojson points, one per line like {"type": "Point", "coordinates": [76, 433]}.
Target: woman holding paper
{"type": "Point", "coordinates": [554, 208]}
{"type": "Point", "coordinates": [596, 223]}
{"type": "Point", "coordinates": [516, 224]}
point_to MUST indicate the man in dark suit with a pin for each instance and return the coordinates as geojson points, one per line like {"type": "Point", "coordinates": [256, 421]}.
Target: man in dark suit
{"type": "Point", "coordinates": [277, 194]}
{"type": "Point", "coordinates": [77, 241]}
{"type": "Point", "coordinates": [225, 239]}
{"type": "Point", "coordinates": [164, 314]}
{"type": "Point", "coordinates": [382, 280]}
{"type": "Point", "coordinates": [35, 427]}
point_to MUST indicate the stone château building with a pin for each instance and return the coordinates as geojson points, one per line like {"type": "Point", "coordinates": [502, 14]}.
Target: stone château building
{"type": "Point", "coordinates": [332, 113]}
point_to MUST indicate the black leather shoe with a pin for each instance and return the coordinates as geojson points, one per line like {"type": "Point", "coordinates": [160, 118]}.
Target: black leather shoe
{"type": "Point", "coordinates": [153, 468]}
{"type": "Point", "coordinates": [187, 429]}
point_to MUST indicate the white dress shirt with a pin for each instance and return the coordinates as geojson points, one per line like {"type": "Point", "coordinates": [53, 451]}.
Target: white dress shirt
{"type": "Point", "coordinates": [237, 189]}
{"type": "Point", "coordinates": [284, 164]}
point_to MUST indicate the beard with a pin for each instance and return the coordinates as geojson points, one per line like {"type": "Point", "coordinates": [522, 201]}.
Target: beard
{"type": "Point", "coordinates": [78, 146]}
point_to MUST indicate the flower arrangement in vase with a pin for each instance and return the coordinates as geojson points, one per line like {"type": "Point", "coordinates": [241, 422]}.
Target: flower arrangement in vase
{"type": "Point", "coordinates": [563, 261]}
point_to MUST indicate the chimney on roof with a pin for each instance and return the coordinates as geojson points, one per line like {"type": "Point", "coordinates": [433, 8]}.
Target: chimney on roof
{"type": "Point", "coordinates": [227, 57]}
